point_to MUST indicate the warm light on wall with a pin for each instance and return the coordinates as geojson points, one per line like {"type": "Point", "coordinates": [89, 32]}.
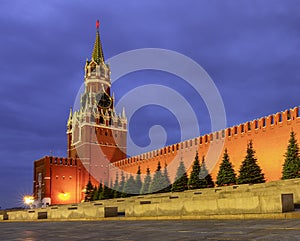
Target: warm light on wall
{"type": "Point", "coordinates": [64, 196]}
{"type": "Point", "coordinates": [28, 200]}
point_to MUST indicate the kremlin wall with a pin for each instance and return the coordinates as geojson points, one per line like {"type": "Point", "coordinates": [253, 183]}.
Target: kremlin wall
{"type": "Point", "coordinates": [65, 178]}
{"type": "Point", "coordinates": [269, 134]}
{"type": "Point", "coordinates": [96, 127]}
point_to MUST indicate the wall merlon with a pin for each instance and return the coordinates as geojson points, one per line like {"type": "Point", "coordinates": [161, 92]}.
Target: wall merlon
{"type": "Point", "coordinates": [240, 133]}
{"type": "Point", "coordinates": [234, 131]}
{"type": "Point", "coordinates": [60, 160]}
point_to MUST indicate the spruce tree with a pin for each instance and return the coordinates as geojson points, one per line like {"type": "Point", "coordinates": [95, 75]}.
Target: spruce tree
{"type": "Point", "coordinates": [147, 182]}
{"type": "Point", "coordinates": [107, 192]}
{"type": "Point", "coordinates": [166, 183]}
{"type": "Point", "coordinates": [89, 191]}
{"type": "Point", "coordinates": [119, 191]}
{"type": "Point", "coordinates": [250, 172]}
{"type": "Point", "coordinates": [116, 184]}
{"type": "Point", "coordinates": [111, 185]}
{"type": "Point", "coordinates": [210, 182]}
{"type": "Point", "coordinates": [100, 189]}
{"type": "Point", "coordinates": [95, 194]}
{"type": "Point", "coordinates": [226, 174]}
{"type": "Point", "coordinates": [138, 181]}
{"type": "Point", "coordinates": [129, 188]}
{"type": "Point", "coordinates": [194, 181]}
{"type": "Point", "coordinates": [157, 181]}
{"type": "Point", "coordinates": [181, 179]}
{"type": "Point", "coordinates": [122, 188]}
{"type": "Point", "coordinates": [116, 187]}
{"type": "Point", "coordinates": [291, 166]}
{"type": "Point", "coordinates": [204, 176]}
{"type": "Point", "coordinates": [112, 190]}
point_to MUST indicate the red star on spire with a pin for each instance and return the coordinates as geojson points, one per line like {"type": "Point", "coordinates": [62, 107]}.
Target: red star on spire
{"type": "Point", "coordinates": [97, 24]}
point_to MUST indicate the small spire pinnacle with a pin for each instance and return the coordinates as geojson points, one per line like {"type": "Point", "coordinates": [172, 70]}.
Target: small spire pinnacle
{"type": "Point", "coordinates": [123, 113]}
{"type": "Point", "coordinates": [97, 54]}
{"type": "Point", "coordinates": [70, 117]}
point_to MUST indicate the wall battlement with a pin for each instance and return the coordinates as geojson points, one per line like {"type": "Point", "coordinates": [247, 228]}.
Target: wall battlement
{"type": "Point", "coordinates": [62, 161]}
{"type": "Point", "coordinates": [272, 129]}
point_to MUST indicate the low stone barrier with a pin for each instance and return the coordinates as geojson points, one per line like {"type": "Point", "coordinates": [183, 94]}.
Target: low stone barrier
{"type": "Point", "coordinates": [65, 212]}
{"type": "Point", "coordinates": [235, 204]}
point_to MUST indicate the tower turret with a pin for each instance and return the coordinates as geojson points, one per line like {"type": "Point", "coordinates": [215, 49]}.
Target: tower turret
{"type": "Point", "coordinates": [97, 134]}
{"type": "Point", "coordinates": [69, 130]}
{"type": "Point", "coordinates": [97, 73]}
{"type": "Point", "coordinates": [69, 123]}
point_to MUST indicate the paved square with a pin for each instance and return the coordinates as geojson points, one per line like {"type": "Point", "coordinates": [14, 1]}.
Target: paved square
{"type": "Point", "coordinates": [288, 229]}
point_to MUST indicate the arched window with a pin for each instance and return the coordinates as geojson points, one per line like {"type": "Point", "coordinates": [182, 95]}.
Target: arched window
{"type": "Point", "coordinates": [101, 120]}
{"type": "Point", "coordinates": [93, 68]}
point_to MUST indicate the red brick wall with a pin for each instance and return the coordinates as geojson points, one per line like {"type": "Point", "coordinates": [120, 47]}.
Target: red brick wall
{"type": "Point", "coordinates": [270, 139]}
{"type": "Point", "coordinates": [63, 179]}
{"type": "Point", "coordinates": [269, 135]}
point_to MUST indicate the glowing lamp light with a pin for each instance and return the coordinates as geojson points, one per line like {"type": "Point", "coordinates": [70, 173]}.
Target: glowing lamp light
{"type": "Point", "coordinates": [64, 196]}
{"type": "Point", "coordinates": [28, 200]}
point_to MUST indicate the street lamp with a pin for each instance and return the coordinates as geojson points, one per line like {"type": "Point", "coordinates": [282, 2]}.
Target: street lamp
{"type": "Point", "coordinates": [28, 200]}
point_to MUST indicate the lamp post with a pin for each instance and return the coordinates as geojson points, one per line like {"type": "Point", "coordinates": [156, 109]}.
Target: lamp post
{"type": "Point", "coordinates": [28, 201]}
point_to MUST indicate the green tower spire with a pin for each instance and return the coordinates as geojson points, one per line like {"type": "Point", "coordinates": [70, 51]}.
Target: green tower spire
{"type": "Point", "coordinates": [97, 54]}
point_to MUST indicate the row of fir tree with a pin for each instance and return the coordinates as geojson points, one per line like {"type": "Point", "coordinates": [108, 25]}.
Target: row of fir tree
{"type": "Point", "coordinates": [249, 172]}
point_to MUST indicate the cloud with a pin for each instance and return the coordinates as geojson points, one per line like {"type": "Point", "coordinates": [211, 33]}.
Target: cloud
{"type": "Point", "coordinates": [249, 48]}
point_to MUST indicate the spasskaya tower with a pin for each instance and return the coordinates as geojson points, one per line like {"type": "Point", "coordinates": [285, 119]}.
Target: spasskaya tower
{"type": "Point", "coordinates": [96, 134]}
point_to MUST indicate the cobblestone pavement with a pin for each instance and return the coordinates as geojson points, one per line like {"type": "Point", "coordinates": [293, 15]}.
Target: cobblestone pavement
{"type": "Point", "coordinates": [287, 229]}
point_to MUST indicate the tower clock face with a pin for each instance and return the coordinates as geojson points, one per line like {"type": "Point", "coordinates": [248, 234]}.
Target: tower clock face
{"type": "Point", "coordinates": [103, 100]}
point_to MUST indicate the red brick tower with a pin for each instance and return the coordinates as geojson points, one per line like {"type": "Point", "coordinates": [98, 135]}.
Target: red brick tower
{"type": "Point", "coordinates": [96, 133]}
